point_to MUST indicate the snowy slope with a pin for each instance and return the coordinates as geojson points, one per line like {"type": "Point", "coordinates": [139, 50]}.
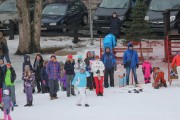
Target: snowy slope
{"type": "Point", "coordinates": [116, 104]}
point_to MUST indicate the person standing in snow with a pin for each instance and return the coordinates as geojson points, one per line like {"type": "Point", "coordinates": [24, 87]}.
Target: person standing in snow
{"type": "Point", "coordinates": [63, 77]}
{"type": "Point", "coordinates": [44, 78]}
{"type": "Point", "coordinates": [10, 77]}
{"type": "Point", "coordinates": [38, 64]}
{"type": "Point", "coordinates": [115, 25]}
{"type": "Point", "coordinates": [53, 70]}
{"type": "Point", "coordinates": [28, 78]}
{"type": "Point", "coordinates": [69, 67]}
{"type": "Point", "coordinates": [131, 61]}
{"type": "Point", "coordinates": [79, 64]}
{"type": "Point", "coordinates": [89, 60]}
{"type": "Point", "coordinates": [109, 61]}
{"type": "Point", "coordinates": [80, 80]}
{"type": "Point", "coordinates": [147, 71]}
{"type": "Point", "coordinates": [4, 51]}
{"type": "Point", "coordinates": [7, 105]}
{"type": "Point", "coordinates": [98, 72]}
{"type": "Point", "coordinates": [176, 62]}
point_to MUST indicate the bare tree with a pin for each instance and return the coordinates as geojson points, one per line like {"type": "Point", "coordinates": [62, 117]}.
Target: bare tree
{"type": "Point", "coordinates": [24, 27]}
{"type": "Point", "coordinates": [29, 28]}
{"type": "Point", "coordinates": [36, 28]}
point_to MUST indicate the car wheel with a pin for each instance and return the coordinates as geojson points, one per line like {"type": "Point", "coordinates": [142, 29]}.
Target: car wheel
{"type": "Point", "coordinates": [64, 30]}
{"type": "Point", "coordinates": [85, 20]}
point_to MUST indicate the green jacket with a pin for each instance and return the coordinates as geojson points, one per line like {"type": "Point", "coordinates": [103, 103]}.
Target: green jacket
{"type": "Point", "coordinates": [10, 77]}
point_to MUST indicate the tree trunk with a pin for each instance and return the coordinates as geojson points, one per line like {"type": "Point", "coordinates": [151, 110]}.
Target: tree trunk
{"type": "Point", "coordinates": [24, 27]}
{"type": "Point", "coordinates": [36, 28]}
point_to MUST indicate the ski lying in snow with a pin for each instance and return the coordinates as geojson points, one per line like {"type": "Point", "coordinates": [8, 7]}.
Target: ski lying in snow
{"type": "Point", "coordinates": [135, 91]}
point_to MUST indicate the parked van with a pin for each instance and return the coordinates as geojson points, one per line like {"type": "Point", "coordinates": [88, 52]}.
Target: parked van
{"type": "Point", "coordinates": [155, 14]}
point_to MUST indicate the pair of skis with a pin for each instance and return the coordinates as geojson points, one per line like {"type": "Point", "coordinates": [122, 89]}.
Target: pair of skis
{"type": "Point", "coordinates": [139, 90]}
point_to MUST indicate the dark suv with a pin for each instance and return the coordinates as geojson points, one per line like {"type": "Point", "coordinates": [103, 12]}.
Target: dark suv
{"type": "Point", "coordinates": [155, 14]}
{"type": "Point", "coordinates": [64, 13]}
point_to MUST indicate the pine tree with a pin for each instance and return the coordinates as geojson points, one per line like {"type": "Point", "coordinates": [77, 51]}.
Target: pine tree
{"type": "Point", "coordinates": [137, 27]}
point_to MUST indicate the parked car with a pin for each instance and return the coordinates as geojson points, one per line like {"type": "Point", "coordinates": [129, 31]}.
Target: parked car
{"type": "Point", "coordinates": [68, 12]}
{"type": "Point", "coordinates": [9, 12]}
{"type": "Point", "coordinates": [155, 14]}
{"type": "Point", "coordinates": [105, 10]}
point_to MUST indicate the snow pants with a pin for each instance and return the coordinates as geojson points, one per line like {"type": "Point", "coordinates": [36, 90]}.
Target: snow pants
{"type": "Point", "coordinates": [159, 78]}
{"type": "Point", "coordinates": [99, 84]}
{"type": "Point", "coordinates": [82, 99]}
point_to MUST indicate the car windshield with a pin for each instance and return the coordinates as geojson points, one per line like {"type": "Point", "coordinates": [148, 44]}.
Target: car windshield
{"type": "Point", "coordinates": [162, 5]}
{"type": "Point", "coordinates": [8, 6]}
{"type": "Point", "coordinates": [55, 9]}
{"type": "Point", "coordinates": [115, 3]}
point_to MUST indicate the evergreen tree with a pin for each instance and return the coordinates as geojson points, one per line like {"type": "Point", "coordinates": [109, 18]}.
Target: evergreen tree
{"type": "Point", "coordinates": [137, 27]}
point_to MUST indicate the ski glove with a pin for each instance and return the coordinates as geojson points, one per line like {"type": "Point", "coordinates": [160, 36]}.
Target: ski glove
{"type": "Point", "coordinates": [98, 71]}
{"type": "Point", "coordinates": [12, 109]}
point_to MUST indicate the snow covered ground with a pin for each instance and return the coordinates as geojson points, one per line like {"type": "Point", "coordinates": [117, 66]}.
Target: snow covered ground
{"type": "Point", "coordinates": [116, 104]}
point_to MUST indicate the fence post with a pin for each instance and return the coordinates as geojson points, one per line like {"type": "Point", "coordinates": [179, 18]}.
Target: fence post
{"type": "Point", "coordinates": [91, 22]}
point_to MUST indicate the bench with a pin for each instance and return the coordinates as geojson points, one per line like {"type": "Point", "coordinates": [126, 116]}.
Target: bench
{"type": "Point", "coordinates": [139, 51]}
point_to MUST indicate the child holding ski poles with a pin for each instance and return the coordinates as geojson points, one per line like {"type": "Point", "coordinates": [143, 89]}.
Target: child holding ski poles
{"type": "Point", "coordinates": [80, 80]}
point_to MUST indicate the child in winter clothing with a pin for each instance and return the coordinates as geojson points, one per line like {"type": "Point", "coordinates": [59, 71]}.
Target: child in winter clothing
{"type": "Point", "coordinates": [28, 77]}
{"type": "Point", "coordinates": [147, 71]}
{"type": "Point", "coordinates": [158, 76]}
{"type": "Point", "coordinates": [53, 70]}
{"type": "Point", "coordinates": [89, 59]}
{"type": "Point", "coordinates": [7, 105]}
{"type": "Point", "coordinates": [69, 67]}
{"type": "Point", "coordinates": [63, 77]}
{"type": "Point", "coordinates": [98, 72]}
{"type": "Point", "coordinates": [44, 78]}
{"type": "Point", "coordinates": [10, 77]}
{"type": "Point", "coordinates": [80, 80]}
{"type": "Point", "coordinates": [80, 63]}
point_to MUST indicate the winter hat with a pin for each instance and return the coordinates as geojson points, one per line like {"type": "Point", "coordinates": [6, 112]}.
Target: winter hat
{"type": "Point", "coordinates": [83, 68]}
{"type": "Point", "coordinates": [97, 57]}
{"type": "Point", "coordinates": [6, 92]}
{"type": "Point", "coordinates": [54, 56]}
{"type": "Point", "coordinates": [80, 57]}
{"type": "Point", "coordinates": [8, 65]}
{"type": "Point", "coordinates": [130, 44]}
{"type": "Point", "coordinates": [91, 52]}
{"type": "Point", "coordinates": [70, 56]}
{"type": "Point", "coordinates": [1, 60]}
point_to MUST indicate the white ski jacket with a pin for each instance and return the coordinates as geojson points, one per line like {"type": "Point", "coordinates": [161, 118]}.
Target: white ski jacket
{"type": "Point", "coordinates": [98, 65]}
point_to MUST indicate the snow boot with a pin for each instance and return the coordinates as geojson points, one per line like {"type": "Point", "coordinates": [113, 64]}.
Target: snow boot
{"type": "Point", "coordinates": [100, 94]}
{"type": "Point", "coordinates": [165, 85]}
{"type": "Point", "coordinates": [27, 104]}
{"type": "Point", "coordinates": [30, 103]}
{"type": "Point", "coordinates": [86, 105]}
{"type": "Point", "coordinates": [156, 87]}
{"type": "Point", "coordinates": [78, 104]}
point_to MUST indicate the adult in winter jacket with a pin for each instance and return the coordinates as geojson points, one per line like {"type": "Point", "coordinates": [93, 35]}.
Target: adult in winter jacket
{"type": "Point", "coordinates": [109, 61]}
{"type": "Point", "coordinates": [115, 25]}
{"type": "Point", "coordinates": [130, 61]}
{"type": "Point", "coordinates": [44, 78]}
{"type": "Point", "coordinates": [79, 64]}
{"type": "Point", "coordinates": [90, 57]}
{"type": "Point", "coordinates": [10, 77]}
{"type": "Point", "coordinates": [80, 80]}
{"type": "Point", "coordinates": [147, 71]}
{"type": "Point", "coordinates": [176, 62]}
{"type": "Point", "coordinates": [69, 67]}
{"type": "Point", "coordinates": [28, 77]}
{"type": "Point", "coordinates": [4, 51]}
{"type": "Point", "coordinates": [109, 41]}
{"type": "Point", "coordinates": [53, 70]}
{"type": "Point", "coordinates": [98, 72]}
{"type": "Point", "coordinates": [38, 64]}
